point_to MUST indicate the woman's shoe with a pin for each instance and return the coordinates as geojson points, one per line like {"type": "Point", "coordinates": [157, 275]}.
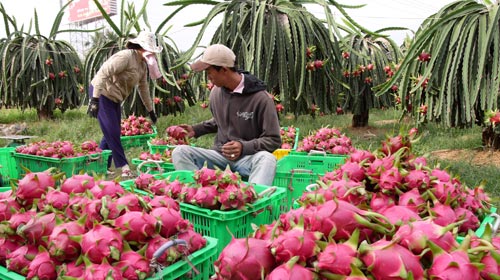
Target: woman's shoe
{"type": "Point", "coordinates": [127, 173]}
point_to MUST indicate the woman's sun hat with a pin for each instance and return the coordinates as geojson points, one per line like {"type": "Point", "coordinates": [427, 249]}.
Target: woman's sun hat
{"type": "Point", "coordinates": [147, 40]}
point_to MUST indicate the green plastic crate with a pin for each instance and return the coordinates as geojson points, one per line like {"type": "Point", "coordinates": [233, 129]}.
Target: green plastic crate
{"type": "Point", "coordinates": [295, 172]}
{"type": "Point", "coordinates": [202, 260]}
{"type": "Point", "coordinates": [8, 168]}
{"type": "Point", "coordinates": [137, 140]}
{"type": "Point", "coordinates": [158, 149]}
{"type": "Point", "coordinates": [153, 166]}
{"type": "Point", "coordinates": [93, 163]}
{"type": "Point", "coordinates": [491, 219]}
{"type": "Point", "coordinates": [225, 224]}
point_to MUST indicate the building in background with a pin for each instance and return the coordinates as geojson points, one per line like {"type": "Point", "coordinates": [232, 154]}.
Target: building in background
{"type": "Point", "coordinates": [84, 15]}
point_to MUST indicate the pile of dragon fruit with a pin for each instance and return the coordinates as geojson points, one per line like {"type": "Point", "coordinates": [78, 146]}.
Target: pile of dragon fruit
{"type": "Point", "coordinates": [214, 189]}
{"type": "Point", "coordinates": [59, 149]}
{"type": "Point", "coordinates": [382, 215]}
{"type": "Point", "coordinates": [86, 228]}
{"type": "Point", "coordinates": [135, 125]}
{"type": "Point", "coordinates": [329, 140]}
{"type": "Point", "coordinates": [165, 156]}
{"type": "Point", "coordinates": [175, 135]}
{"type": "Point", "coordinates": [288, 135]}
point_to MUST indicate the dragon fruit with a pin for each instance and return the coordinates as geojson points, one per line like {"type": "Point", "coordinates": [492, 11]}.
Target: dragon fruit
{"type": "Point", "coordinates": [33, 185]}
{"type": "Point", "coordinates": [6, 194]}
{"type": "Point", "coordinates": [393, 144]}
{"type": "Point", "coordinates": [77, 183]}
{"type": "Point", "coordinates": [160, 187]}
{"type": "Point", "coordinates": [471, 222]}
{"type": "Point", "coordinates": [352, 171]}
{"type": "Point", "coordinates": [227, 177]}
{"type": "Point", "coordinates": [291, 271]}
{"type": "Point", "coordinates": [144, 180]}
{"type": "Point", "coordinates": [244, 258]}
{"type": "Point", "coordinates": [206, 197]}
{"type": "Point", "coordinates": [491, 267]}
{"type": "Point", "coordinates": [60, 244]}
{"type": "Point", "coordinates": [71, 269]}
{"type": "Point", "coordinates": [170, 220]}
{"type": "Point", "coordinates": [205, 176]}
{"type": "Point", "coordinates": [129, 202]}
{"type": "Point", "coordinates": [102, 271]}
{"type": "Point", "coordinates": [109, 188]}
{"type": "Point", "coordinates": [232, 197]}
{"type": "Point", "coordinates": [451, 264]}
{"type": "Point", "coordinates": [15, 221]}
{"type": "Point", "coordinates": [53, 198]}
{"type": "Point", "coordinates": [76, 205]}
{"type": "Point", "coordinates": [380, 201]}
{"type": "Point", "coordinates": [42, 267]}
{"type": "Point", "coordinates": [171, 255]}
{"type": "Point", "coordinates": [442, 214]}
{"type": "Point", "coordinates": [338, 219]}
{"type": "Point", "coordinates": [194, 240]}
{"type": "Point", "coordinates": [386, 260]}
{"type": "Point", "coordinates": [164, 201]}
{"type": "Point", "coordinates": [390, 180]}
{"type": "Point", "coordinates": [6, 247]}
{"type": "Point", "coordinates": [296, 242]}
{"type": "Point", "coordinates": [187, 193]}
{"type": "Point", "coordinates": [136, 226]}
{"type": "Point", "coordinates": [417, 179]}
{"type": "Point", "coordinates": [374, 170]}
{"type": "Point", "coordinates": [19, 259]}
{"type": "Point", "coordinates": [415, 236]}
{"type": "Point", "coordinates": [412, 199]}
{"type": "Point", "coordinates": [99, 210]}
{"type": "Point", "coordinates": [37, 227]}
{"type": "Point", "coordinates": [359, 156]}
{"type": "Point", "coordinates": [102, 243]}
{"type": "Point", "coordinates": [266, 232]}
{"type": "Point", "coordinates": [133, 265]}
{"type": "Point", "coordinates": [337, 258]}
{"type": "Point", "coordinates": [398, 214]}
{"type": "Point", "coordinates": [174, 189]}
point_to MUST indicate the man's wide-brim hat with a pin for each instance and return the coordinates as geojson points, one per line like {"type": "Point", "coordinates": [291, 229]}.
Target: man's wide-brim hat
{"type": "Point", "coordinates": [147, 40]}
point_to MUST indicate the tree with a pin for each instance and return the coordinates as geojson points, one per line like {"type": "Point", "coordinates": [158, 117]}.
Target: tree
{"type": "Point", "coordinates": [450, 72]}
{"type": "Point", "coordinates": [295, 53]}
{"type": "Point", "coordinates": [39, 71]}
{"type": "Point", "coordinates": [368, 60]}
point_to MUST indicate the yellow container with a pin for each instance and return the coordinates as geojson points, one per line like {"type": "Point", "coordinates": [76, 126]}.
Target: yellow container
{"type": "Point", "coordinates": [279, 153]}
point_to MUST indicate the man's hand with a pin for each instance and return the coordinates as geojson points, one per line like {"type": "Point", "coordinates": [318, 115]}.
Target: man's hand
{"type": "Point", "coordinates": [153, 117]}
{"type": "Point", "coordinates": [189, 129]}
{"type": "Point", "coordinates": [93, 107]}
{"type": "Point", "coordinates": [232, 150]}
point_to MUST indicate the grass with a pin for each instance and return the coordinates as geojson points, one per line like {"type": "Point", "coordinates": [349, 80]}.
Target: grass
{"type": "Point", "coordinates": [76, 126]}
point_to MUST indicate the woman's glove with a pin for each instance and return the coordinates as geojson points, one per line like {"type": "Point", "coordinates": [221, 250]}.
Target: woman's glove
{"type": "Point", "coordinates": [93, 107]}
{"type": "Point", "coordinates": [153, 117]}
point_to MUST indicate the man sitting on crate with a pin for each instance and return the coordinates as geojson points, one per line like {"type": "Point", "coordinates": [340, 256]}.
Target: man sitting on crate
{"type": "Point", "coordinates": [243, 116]}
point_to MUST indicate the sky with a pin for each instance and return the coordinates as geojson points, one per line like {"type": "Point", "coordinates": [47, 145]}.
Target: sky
{"type": "Point", "coordinates": [375, 15]}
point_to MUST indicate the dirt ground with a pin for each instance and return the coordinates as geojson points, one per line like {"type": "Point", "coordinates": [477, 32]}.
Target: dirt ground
{"type": "Point", "coordinates": [475, 157]}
